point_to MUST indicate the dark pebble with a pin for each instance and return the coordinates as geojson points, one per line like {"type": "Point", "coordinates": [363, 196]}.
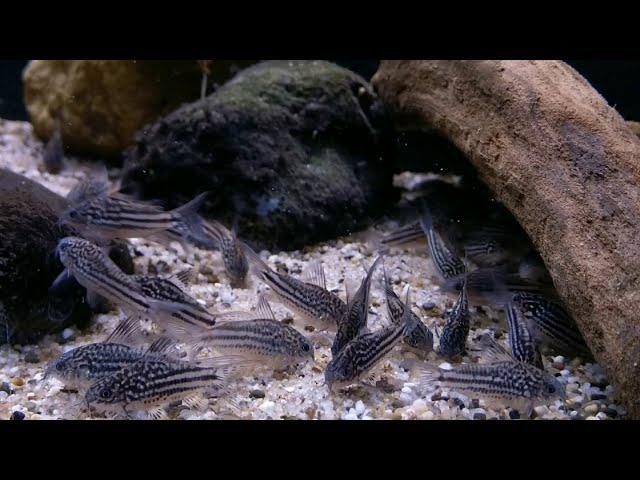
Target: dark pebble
{"type": "Point", "coordinates": [610, 412]}
{"type": "Point", "coordinates": [385, 386]}
{"type": "Point", "coordinates": [397, 404]}
{"type": "Point", "coordinates": [475, 403]}
{"type": "Point", "coordinates": [436, 396]}
{"type": "Point", "coordinates": [16, 415]}
{"type": "Point", "coordinates": [479, 416]}
{"type": "Point", "coordinates": [459, 403]}
{"type": "Point", "coordinates": [429, 305]}
{"type": "Point", "coordinates": [6, 387]}
{"type": "Point", "coordinates": [31, 357]}
{"type": "Point", "coordinates": [598, 396]}
{"type": "Point", "coordinates": [287, 320]}
{"type": "Point", "coordinates": [514, 415]}
{"type": "Point", "coordinates": [601, 385]}
{"type": "Point", "coordinates": [256, 394]}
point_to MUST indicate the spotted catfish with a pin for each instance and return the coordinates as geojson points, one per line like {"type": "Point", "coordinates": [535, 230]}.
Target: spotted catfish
{"type": "Point", "coordinates": [310, 299]}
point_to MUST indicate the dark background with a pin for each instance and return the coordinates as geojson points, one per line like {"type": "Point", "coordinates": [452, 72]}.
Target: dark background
{"type": "Point", "coordinates": [617, 80]}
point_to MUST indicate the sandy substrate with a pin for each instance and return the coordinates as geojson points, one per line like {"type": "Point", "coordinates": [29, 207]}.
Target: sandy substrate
{"type": "Point", "coordinates": [299, 394]}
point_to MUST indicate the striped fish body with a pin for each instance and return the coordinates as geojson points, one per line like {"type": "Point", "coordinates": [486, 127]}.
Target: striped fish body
{"type": "Point", "coordinates": [106, 217]}
{"type": "Point", "coordinates": [355, 319]}
{"type": "Point", "coordinates": [316, 305]}
{"type": "Point", "coordinates": [550, 323]}
{"type": "Point", "coordinates": [447, 264]}
{"type": "Point", "coordinates": [95, 271]}
{"type": "Point", "coordinates": [523, 345]}
{"type": "Point", "coordinates": [109, 217]}
{"type": "Point", "coordinates": [417, 338]}
{"type": "Point", "coordinates": [235, 262]}
{"type": "Point", "coordinates": [360, 355]}
{"type": "Point", "coordinates": [266, 340]}
{"type": "Point", "coordinates": [192, 318]}
{"type": "Point", "coordinates": [506, 380]}
{"type": "Point", "coordinates": [406, 236]}
{"type": "Point", "coordinates": [153, 382]}
{"type": "Point", "coordinates": [453, 339]}
{"type": "Point", "coordinates": [84, 365]}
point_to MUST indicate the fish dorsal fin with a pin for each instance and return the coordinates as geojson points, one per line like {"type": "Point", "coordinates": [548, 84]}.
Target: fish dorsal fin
{"type": "Point", "coordinates": [95, 184]}
{"type": "Point", "coordinates": [407, 318]}
{"type": "Point", "coordinates": [493, 350]}
{"type": "Point", "coordinates": [161, 345]}
{"type": "Point", "coordinates": [125, 332]}
{"type": "Point", "coordinates": [263, 310]}
{"type": "Point", "coordinates": [314, 274]}
{"type": "Point", "coordinates": [183, 278]}
{"type": "Point", "coordinates": [350, 288]}
{"type": "Point", "coordinates": [215, 230]}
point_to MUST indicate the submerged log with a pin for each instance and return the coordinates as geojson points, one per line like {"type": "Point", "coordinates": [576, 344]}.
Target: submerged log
{"type": "Point", "coordinates": [565, 164]}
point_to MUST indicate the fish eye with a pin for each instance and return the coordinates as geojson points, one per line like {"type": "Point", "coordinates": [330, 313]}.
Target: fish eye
{"type": "Point", "coordinates": [551, 388]}
{"type": "Point", "coordinates": [306, 347]}
{"type": "Point", "coordinates": [106, 393]}
{"type": "Point", "coordinates": [73, 214]}
{"type": "Point", "coordinates": [59, 366]}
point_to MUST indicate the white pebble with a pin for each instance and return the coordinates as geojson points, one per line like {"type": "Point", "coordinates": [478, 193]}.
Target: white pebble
{"type": "Point", "coordinates": [445, 366]}
{"type": "Point", "coordinates": [419, 406]}
{"type": "Point", "coordinates": [558, 359]}
{"type": "Point", "coordinates": [67, 333]}
{"type": "Point", "coordinates": [359, 407]}
{"type": "Point", "coordinates": [267, 406]}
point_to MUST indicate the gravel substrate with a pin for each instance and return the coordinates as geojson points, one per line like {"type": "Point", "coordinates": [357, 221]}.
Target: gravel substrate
{"type": "Point", "coordinates": [297, 394]}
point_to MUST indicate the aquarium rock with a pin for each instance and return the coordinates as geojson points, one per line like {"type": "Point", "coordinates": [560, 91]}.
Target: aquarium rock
{"type": "Point", "coordinates": [125, 95]}
{"type": "Point", "coordinates": [296, 150]}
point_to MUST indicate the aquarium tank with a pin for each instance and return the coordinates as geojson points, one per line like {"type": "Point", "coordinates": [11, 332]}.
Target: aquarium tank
{"type": "Point", "coordinates": [319, 239]}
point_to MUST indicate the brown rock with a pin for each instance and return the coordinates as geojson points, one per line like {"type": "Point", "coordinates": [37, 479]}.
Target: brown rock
{"type": "Point", "coordinates": [103, 103]}
{"type": "Point", "coordinates": [564, 163]}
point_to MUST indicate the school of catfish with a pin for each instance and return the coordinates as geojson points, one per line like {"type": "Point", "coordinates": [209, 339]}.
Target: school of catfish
{"type": "Point", "coordinates": [154, 356]}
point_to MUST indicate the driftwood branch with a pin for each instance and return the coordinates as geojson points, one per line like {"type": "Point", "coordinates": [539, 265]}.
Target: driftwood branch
{"type": "Point", "coordinates": [566, 165]}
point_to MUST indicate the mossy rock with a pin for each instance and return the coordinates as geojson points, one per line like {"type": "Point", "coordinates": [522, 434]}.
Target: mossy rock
{"type": "Point", "coordinates": [297, 150]}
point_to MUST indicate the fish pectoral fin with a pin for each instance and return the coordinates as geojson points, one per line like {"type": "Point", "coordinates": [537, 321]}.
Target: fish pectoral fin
{"type": "Point", "coordinates": [314, 274]}
{"type": "Point", "coordinates": [157, 413]}
{"type": "Point", "coordinates": [195, 402]}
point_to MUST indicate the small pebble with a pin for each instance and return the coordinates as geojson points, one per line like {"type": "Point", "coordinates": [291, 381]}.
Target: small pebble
{"type": "Point", "coordinates": [17, 381]}
{"type": "Point", "coordinates": [256, 394]}
{"type": "Point", "coordinates": [6, 387]}
{"type": "Point", "coordinates": [17, 415]}
{"type": "Point", "coordinates": [591, 408]}
{"type": "Point", "coordinates": [429, 305]}
{"type": "Point", "coordinates": [514, 414]}
{"type": "Point", "coordinates": [479, 416]}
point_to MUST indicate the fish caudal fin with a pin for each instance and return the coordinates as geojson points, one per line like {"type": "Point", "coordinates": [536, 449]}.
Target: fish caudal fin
{"type": "Point", "coordinates": [257, 266]}
{"type": "Point", "coordinates": [187, 216]}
